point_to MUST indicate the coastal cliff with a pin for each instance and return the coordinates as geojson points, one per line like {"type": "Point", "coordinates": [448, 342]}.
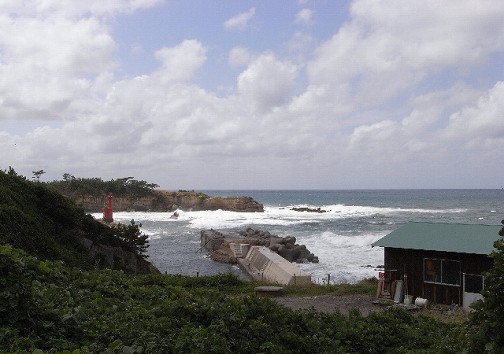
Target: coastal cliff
{"type": "Point", "coordinates": [167, 201]}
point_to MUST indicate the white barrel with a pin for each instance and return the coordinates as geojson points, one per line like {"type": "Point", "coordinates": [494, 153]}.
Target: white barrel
{"type": "Point", "coordinates": [421, 302]}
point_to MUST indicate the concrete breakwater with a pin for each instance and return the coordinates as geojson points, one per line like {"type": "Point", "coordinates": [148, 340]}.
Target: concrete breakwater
{"type": "Point", "coordinates": [260, 254]}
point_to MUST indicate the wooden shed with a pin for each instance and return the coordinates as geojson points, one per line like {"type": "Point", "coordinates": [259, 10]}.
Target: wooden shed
{"type": "Point", "coordinates": [440, 262]}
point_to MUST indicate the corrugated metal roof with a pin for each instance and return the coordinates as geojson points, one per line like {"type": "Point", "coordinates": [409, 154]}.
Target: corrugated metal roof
{"type": "Point", "coordinates": [459, 238]}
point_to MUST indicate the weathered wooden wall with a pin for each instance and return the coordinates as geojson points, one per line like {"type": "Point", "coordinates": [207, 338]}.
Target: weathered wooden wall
{"type": "Point", "coordinates": [399, 262]}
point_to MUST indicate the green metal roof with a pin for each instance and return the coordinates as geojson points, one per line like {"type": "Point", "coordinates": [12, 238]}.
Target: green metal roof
{"type": "Point", "coordinates": [459, 238]}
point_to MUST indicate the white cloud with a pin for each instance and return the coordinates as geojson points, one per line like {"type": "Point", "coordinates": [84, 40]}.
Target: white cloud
{"type": "Point", "coordinates": [72, 9]}
{"type": "Point", "coordinates": [301, 45]}
{"type": "Point", "coordinates": [383, 50]}
{"type": "Point", "coordinates": [304, 16]}
{"type": "Point", "coordinates": [481, 125]}
{"type": "Point", "coordinates": [267, 82]}
{"type": "Point", "coordinates": [147, 120]}
{"type": "Point", "coordinates": [388, 101]}
{"type": "Point", "coordinates": [73, 47]}
{"type": "Point", "coordinates": [48, 64]}
{"type": "Point", "coordinates": [240, 21]}
{"type": "Point", "coordinates": [239, 56]}
{"type": "Point", "coordinates": [180, 63]}
{"type": "Point", "coordinates": [54, 55]}
{"type": "Point", "coordinates": [472, 137]}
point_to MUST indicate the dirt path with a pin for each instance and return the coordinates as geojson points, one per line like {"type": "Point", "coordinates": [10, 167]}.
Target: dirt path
{"type": "Point", "coordinates": [364, 303]}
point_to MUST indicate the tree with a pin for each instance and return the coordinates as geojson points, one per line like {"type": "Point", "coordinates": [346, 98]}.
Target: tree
{"type": "Point", "coordinates": [12, 172]}
{"type": "Point", "coordinates": [133, 238]}
{"type": "Point", "coordinates": [487, 321]}
{"type": "Point", "coordinates": [121, 187]}
{"type": "Point", "coordinates": [67, 177]}
{"type": "Point", "coordinates": [37, 174]}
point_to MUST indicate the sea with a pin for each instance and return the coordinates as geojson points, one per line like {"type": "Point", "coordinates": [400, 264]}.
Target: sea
{"type": "Point", "coordinates": [340, 237]}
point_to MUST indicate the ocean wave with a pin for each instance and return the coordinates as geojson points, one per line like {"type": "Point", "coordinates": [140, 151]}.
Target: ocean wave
{"type": "Point", "coordinates": [282, 215]}
{"type": "Point", "coordinates": [333, 241]}
{"type": "Point", "coordinates": [347, 259]}
{"type": "Point", "coordinates": [127, 216]}
{"type": "Point", "coordinates": [341, 237]}
{"type": "Point", "coordinates": [359, 210]}
{"type": "Point", "coordinates": [274, 216]}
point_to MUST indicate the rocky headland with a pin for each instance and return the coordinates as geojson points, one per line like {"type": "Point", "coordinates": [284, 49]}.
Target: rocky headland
{"type": "Point", "coordinates": [167, 201]}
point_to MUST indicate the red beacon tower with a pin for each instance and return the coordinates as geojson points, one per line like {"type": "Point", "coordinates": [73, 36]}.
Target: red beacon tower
{"type": "Point", "coordinates": [107, 211]}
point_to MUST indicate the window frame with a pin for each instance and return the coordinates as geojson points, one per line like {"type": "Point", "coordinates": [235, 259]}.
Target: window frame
{"type": "Point", "coordinates": [441, 261]}
{"type": "Point", "coordinates": [471, 283]}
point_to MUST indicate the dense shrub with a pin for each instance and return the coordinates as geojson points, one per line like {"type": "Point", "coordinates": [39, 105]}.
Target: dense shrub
{"type": "Point", "coordinates": [47, 306]}
{"type": "Point", "coordinates": [72, 186]}
{"type": "Point", "coordinates": [48, 225]}
{"type": "Point", "coordinates": [485, 330]}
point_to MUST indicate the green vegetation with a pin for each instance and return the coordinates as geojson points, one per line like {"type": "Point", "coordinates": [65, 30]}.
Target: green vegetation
{"type": "Point", "coordinates": [37, 174]}
{"type": "Point", "coordinates": [49, 226]}
{"type": "Point", "coordinates": [121, 187]}
{"type": "Point", "coordinates": [53, 299]}
{"type": "Point", "coordinates": [487, 322]}
{"type": "Point", "coordinates": [367, 286]}
{"type": "Point", "coordinates": [52, 308]}
{"type": "Point", "coordinates": [132, 238]}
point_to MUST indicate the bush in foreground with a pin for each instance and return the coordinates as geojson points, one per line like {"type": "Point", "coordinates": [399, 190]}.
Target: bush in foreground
{"type": "Point", "coordinates": [47, 307]}
{"type": "Point", "coordinates": [486, 325]}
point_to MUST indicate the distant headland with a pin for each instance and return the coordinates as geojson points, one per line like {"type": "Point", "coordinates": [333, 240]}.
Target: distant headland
{"type": "Point", "coordinates": [134, 195]}
{"type": "Point", "coordinates": [166, 201]}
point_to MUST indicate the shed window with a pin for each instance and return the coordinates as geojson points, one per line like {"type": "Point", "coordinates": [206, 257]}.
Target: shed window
{"type": "Point", "coordinates": [473, 283]}
{"type": "Point", "coordinates": [442, 271]}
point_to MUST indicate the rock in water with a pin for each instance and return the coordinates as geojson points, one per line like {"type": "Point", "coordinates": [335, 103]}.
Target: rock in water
{"type": "Point", "coordinates": [220, 245]}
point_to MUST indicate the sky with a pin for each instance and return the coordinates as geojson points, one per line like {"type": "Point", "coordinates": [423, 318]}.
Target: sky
{"type": "Point", "coordinates": [235, 94]}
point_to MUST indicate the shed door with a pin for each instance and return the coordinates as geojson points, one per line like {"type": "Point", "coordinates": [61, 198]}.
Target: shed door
{"type": "Point", "coordinates": [473, 285]}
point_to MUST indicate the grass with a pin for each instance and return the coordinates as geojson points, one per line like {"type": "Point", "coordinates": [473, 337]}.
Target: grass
{"type": "Point", "coordinates": [442, 313]}
{"type": "Point", "coordinates": [365, 287]}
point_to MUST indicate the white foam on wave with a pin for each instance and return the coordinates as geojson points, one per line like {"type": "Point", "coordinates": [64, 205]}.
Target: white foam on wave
{"type": "Point", "coordinates": [220, 219]}
{"type": "Point", "coordinates": [344, 257]}
{"type": "Point", "coordinates": [347, 259]}
{"type": "Point", "coordinates": [285, 216]}
{"type": "Point", "coordinates": [271, 216]}
{"type": "Point", "coordinates": [206, 219]}
{"type": "Point", "coordinates": [357, 210]}
{"type": "Point", "coordinates": [138, 216]}
{"type": "Point", "coordinates": [152, 230]}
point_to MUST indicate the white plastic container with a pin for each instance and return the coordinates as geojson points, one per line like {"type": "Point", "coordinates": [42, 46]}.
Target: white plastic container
{"type": "Point", "coordinates": [408, 299]}
{"type": "Point", "coordinates": [421, 302]}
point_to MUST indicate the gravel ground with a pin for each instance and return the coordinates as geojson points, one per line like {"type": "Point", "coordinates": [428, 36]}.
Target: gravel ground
{"type": "Point", "coordinates": [327, 303]}
{"type": "Point", "coordinates": [364, 303]}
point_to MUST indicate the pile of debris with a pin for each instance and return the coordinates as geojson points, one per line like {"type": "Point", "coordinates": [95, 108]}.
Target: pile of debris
{"type": "Point", "coordinates": [222, 247]}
